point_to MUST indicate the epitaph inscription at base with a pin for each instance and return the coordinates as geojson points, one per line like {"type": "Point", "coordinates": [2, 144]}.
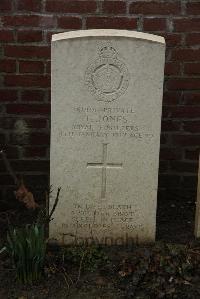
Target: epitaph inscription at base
{"type": "Point", "coordinates": [105, 136]}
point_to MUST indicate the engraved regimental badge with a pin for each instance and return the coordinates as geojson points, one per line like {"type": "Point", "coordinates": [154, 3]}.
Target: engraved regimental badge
{"type": "Point", "coordinates": [107, 77]}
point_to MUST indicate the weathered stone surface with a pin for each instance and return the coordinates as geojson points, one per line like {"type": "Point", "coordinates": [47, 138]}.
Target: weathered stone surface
{"type": "Point", "coordinates": [106, 115]}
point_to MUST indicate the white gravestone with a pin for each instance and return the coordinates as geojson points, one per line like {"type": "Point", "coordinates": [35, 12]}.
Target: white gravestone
{"type": "Point", "coordinates": [107, 88]}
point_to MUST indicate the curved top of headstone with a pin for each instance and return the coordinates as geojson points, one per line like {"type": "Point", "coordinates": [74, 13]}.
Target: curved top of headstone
{"type": "Point", "coordinates": [106, 33]}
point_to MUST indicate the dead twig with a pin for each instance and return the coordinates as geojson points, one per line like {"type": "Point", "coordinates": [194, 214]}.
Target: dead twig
{"type": "Point", "coordinates": [67, 277]}
{"type": "Point", "coordinates": [22, 194]}
{"type": "Point", "coordinates": [194, 252]}
{"type": "Point", "coordinates": [9, 168]}
{"type": "Point", "coordinates": [54, 205]}
{"type": "Point", "coordinates": [47, 202]}
{"type": "Point", "coordinates": [80, 267]}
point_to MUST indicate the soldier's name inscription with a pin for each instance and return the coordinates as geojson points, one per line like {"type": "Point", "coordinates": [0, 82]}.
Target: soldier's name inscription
{"type": "Point", "coordinates": [105, 122]}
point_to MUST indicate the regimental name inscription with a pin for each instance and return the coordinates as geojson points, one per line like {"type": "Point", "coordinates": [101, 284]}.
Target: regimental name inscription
{"type": "Point", "coordinates": [105, 123]}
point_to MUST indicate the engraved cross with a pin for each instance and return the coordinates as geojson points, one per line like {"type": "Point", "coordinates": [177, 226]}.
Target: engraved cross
{"type": "Point", "coordinates": [104, 165]}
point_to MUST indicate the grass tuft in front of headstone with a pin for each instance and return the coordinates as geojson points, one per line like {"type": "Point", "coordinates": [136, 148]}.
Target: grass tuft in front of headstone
{"type": "Point", "coordinates": [26, 247]}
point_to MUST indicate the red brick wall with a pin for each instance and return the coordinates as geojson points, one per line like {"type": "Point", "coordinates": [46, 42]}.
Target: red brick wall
{"type": "Point", "coordinates": [26, 27]}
